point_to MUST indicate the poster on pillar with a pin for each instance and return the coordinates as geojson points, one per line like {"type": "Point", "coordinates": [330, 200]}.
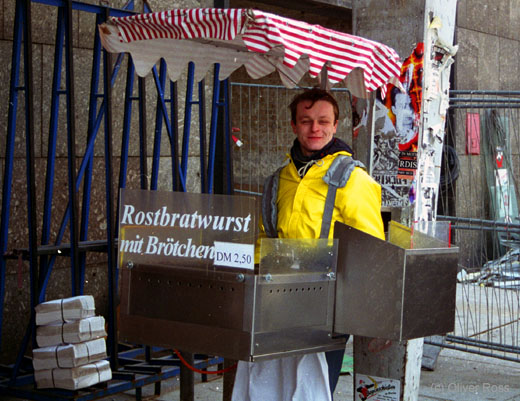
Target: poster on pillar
{"type": "Point", "coordinates": [375, 388]}
{"type": "Point", "coordinates": [439, 54]}
{"type": "Point", "coordinates": [397, 120]}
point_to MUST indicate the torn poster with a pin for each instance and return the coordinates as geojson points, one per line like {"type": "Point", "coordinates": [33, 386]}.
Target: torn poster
{"type": "Point", "coordinates": [397, 121]}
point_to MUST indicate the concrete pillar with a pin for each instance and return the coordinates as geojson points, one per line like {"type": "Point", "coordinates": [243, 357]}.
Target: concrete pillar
{"type": "Point", "coordinates": [392, 370]}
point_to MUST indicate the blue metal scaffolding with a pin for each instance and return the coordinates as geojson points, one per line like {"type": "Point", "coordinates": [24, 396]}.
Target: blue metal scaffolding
{"type": "Point", "coordinates": [128, 371]}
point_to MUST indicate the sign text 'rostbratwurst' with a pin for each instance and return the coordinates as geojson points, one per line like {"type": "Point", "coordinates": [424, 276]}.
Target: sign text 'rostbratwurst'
{"type": "Point", "coordinates": [163, 218]}
{"type": "Point", "coordinates": [158, 227]}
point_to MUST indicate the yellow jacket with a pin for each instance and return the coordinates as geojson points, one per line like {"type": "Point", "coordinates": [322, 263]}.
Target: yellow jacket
{"type": "Point", "coordinates": [301, 202]}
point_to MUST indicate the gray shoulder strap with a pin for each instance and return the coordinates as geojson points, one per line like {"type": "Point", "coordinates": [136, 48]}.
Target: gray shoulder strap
{"type": "Point", "coordinates": [269, 208]}
{"type": "Point", "coordinates": [336, 177]}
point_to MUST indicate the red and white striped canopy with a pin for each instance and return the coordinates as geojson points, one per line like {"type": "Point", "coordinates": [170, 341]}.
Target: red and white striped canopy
{"type": "Point", "coordinates": [260, 41]}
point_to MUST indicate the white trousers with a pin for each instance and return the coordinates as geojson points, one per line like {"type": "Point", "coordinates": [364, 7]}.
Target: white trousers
{"type": "Point", "coordinates": [293, 378]}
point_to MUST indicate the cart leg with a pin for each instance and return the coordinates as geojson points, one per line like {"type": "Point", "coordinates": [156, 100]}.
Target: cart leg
{"type": "Point", "coordinates": [229, 380]}
{"type": "Point", "coordinates": [396, 365]}
{"type": "Point", "coordinates": [187, 379]}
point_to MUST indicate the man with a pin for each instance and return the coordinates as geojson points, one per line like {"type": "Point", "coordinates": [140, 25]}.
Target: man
{"type": "Point", "coordinates": [302, 191]}
{"type": "Point", "coordinates": [300, 205]}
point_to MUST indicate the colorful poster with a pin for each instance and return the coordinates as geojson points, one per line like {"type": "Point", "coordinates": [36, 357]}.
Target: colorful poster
{"type": "Point", "coordinates": [373, 388]}
{"type": "Point", "coordinates": [397, 120]}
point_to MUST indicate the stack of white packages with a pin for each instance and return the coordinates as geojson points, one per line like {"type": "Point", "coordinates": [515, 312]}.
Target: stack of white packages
{"type": "Point", "coordinates": [72, 344]}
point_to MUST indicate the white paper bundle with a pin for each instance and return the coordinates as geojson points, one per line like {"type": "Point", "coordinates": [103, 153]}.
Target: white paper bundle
{"type": "Point", "coordinates": [69, 355]}
{"type": "Point", "coordinates": [62, 310]}
{"type": "Point", "coordinates": [71, 332]}
{"type": "Point", "coordinates": [74, 378]}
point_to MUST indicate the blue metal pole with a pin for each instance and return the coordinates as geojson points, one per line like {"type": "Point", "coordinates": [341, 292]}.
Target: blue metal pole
{"type": "Point", "coordinates": [213, 128]}
{"type": "Point", "coordinates": [164, 111]}
{"type": "Point", "coordinates": [227, 139]}
{"type": "Point", "coordinates": [126, 123]}
{"type": "Point", "coordinates": [112, 265]}
{"type": "Point", "coordinates": [9, 153]}
{"type": "Point", "coordinates": [87, 162]}
{"type": "Point", "coordinates": [143, 142]}
{"type": "Point", "coordinates": [94, 85]}
{"type": "Point", "coordinates": [202, 135]}
{"type": "Point", "coordinates": [30, 161]}
{"type": "Point", "coordinates": [160, 81]}
{"type": "Point", "coordinates": [174, 140]}
{"type": "Point", "coordinates": [123, 163]}
{"type": "Point", "coordinates": [187, 118]}
{"type": "Point", "coordinates": [30, 332]}
{"type": "Point", "coordinates": [71, 154]}
{"type": "Point", "coordinates": [51, 150]}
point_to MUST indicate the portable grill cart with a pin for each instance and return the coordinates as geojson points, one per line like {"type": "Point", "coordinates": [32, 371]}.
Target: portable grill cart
{"type": "Point", "coordinates": [193, 304]}
{"type": "Point", "coordinates": [298, 299]}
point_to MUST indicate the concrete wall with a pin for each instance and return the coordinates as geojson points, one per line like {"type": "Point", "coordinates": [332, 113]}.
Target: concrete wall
{"type": "Point", "coordinates": [338, 17]}
{"type": "Point", "coordinates": [488, 34]}
{"type": "Point", "coordinates": [396, 23]}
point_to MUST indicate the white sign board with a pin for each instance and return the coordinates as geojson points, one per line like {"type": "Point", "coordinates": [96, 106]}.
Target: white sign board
{"type": "Point", "coordinates": [234, 255]}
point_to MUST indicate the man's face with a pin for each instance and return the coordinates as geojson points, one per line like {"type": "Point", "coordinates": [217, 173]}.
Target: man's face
{"type": "Point", "coordinates": [314, 127]}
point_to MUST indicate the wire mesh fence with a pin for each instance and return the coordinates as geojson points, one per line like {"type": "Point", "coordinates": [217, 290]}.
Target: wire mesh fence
{"type": "Point", "coordinates": [479, 190]}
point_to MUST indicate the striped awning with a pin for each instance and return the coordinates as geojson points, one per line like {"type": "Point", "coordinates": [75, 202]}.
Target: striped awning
{"type": "Point", "coordinates": [260, 41]}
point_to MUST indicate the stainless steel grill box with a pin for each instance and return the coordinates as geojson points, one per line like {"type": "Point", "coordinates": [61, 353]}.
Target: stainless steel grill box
{"type": "Point", "coordinates": [286, 308]}
{"type": "Point", "coordinates": [398, 289]}
{"type": "Point", "coordinates": [301, 296]}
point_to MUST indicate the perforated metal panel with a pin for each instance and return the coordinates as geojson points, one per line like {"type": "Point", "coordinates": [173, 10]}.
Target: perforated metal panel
{"type": "Point", "coordinates": [232, 314]}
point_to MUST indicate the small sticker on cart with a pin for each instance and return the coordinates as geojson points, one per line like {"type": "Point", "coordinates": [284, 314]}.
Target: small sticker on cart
{"type": "Point", "coordinates": [375, 388]}
{"type": "Point", "coordinates": [234, 255]}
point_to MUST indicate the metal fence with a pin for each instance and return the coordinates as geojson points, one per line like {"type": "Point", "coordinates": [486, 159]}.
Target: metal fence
{"type": "Point", "coordinates": [479, 196]}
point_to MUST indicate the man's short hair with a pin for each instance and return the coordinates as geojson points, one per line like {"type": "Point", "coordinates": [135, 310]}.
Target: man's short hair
{"type": "Point", "coordinates": [313, 95]}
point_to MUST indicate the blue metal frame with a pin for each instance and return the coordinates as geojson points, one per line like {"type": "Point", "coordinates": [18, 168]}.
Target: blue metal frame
{"type": "Point", "coordinates": [160, 82]}
{"type": "Point", "coordinates": [71, 152]}
{"type": "Point", "coordinates": [213, 128]}
{"type": "Point", "coordinates": [187, 117]}
{"type": "Point", "coordinates": [187, 127]}
{"type": "Point", "coordinates": [110, 217]}
{"type": "Point", "coordinates": [219, 104]}
{"type": "Point", "coordinates": [9, 155]}
{"type": "Point", "coordinates": [202, 135]}
{"type": "Point", "coordinates": [91, 135]}
{"type": "Point", "coordinates": [99, 112]}
{"type": "Point", "coordinates": [227, 136]}
{"type": "Point", "coordinates": [23, 11]}
{"type": "Point", "coordinates": [162, 114]}
{"type": "Point", "coordinates": [133, 377]}
{"type": "Point", "coordinates": [83, 170]}
{"type": "Point", "coordinates": [51, 150]}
